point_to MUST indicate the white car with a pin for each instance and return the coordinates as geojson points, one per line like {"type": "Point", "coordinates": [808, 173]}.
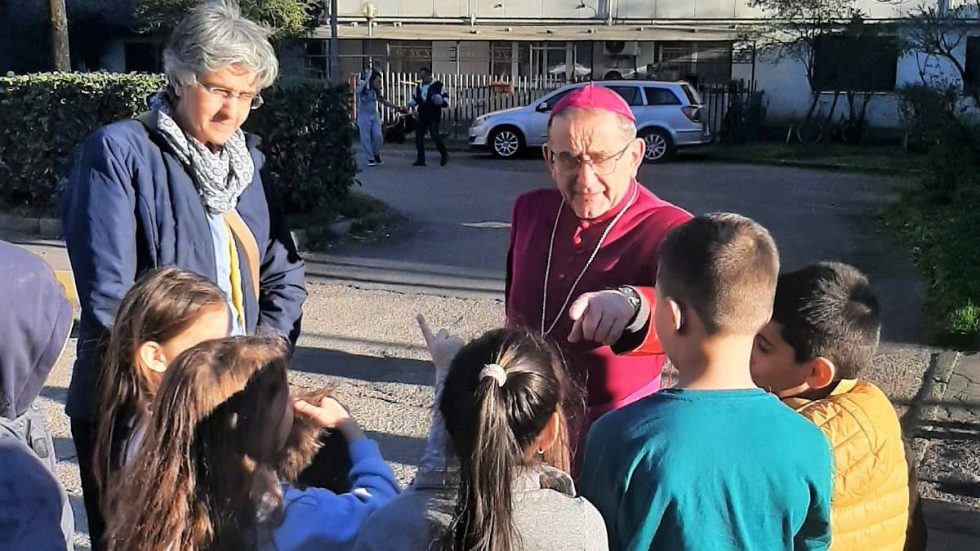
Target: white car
{"type": "Point", "coordinates": [668, 117]}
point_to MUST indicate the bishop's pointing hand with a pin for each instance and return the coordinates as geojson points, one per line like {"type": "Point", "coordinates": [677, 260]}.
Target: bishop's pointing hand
{"type": "Point", "coordinates": [601, 316]}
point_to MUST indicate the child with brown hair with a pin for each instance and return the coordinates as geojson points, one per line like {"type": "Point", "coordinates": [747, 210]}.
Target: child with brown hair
{"type": "Point", "coordinates": [715, 462]}
{"type": "Point", "coordinates": [166, 312]}
{"type": "Point", "coordinates": [214, 470]}
{"type": "Point", "coordinates": [823, 334]}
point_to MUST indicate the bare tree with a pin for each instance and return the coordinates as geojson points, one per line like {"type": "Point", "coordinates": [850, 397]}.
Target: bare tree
{"type": "Point", "coordinates": [940, 33]}
{"type": "Point", "coordinates": [795, 30]}
{"type": "Point", "coordinates": [60, 58]}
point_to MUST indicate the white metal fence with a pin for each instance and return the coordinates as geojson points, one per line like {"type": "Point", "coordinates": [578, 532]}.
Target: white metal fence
{"type": "Point", "coordinates": [470, 95]}
{"type": "Point", "coordinates": [729, 111]}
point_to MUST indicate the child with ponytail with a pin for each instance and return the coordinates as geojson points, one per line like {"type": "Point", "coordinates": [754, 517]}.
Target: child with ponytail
{"type": "Point", "coordinates": [503, 483]}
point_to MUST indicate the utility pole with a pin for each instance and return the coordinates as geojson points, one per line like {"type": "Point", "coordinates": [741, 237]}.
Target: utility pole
{"type": "Point", "coordinates": [60, 59]}
{"type": "Point", "coordinates": [334, 58]}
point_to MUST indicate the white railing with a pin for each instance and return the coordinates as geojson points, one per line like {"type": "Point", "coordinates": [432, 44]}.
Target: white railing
{"type": "Point", "coordinates": [470, 95]}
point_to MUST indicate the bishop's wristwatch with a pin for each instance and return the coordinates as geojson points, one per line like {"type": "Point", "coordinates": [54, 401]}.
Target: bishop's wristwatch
{"type": "Point", "coordinates": [632, 297]}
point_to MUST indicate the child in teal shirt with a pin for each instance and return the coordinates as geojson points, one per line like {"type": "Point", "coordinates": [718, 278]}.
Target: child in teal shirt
{"type": "Point", "coordinates": [714, 463]}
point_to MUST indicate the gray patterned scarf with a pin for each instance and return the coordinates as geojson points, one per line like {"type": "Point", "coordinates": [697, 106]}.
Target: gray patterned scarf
{"type": "Point", "coordinates": [220, 176]}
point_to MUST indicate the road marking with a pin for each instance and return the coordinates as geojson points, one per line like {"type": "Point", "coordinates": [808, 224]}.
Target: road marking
{"type": "Point", "coordinates": [490, 225]}
{"type": "Point", "coordinates": [67, 281]}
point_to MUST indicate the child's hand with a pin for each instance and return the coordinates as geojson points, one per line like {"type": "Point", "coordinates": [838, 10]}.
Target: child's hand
{"type": "Point", "coordinates": [442, 346]}
{"type": "Point", "coordinates": [329, 414]}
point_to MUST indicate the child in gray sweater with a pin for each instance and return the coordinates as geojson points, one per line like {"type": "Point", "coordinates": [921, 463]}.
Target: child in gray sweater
{"type": "Point", "coordinates": [500, 481]}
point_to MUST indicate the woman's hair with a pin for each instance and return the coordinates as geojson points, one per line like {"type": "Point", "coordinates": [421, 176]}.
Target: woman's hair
{"type": "Point", "coordinates": [163, 304]}
{"type": "Point", "coordinates": [214, 36]}
{"type": "Point", "coordinates": [193, 484]}
{"type": "Point", "coordinates": [492, 425]}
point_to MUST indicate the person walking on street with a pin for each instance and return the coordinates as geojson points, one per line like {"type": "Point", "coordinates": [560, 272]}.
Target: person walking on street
{"type": "Point", "coordinates": [429, 99]}
{"type": "Point", "coordinates": [369, 95]}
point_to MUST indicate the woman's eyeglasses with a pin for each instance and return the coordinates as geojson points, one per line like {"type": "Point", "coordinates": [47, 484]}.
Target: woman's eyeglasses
{"type": "Point", "coordinates": [255, 100]}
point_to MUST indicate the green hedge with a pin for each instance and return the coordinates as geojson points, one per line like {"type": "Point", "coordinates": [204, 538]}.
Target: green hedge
{"type": "Point", "coordinates": [942, 235]}
{"type": "Point", "coordinates": [305, 127]}
{"type": "Point", "coordinates": [307, 137]}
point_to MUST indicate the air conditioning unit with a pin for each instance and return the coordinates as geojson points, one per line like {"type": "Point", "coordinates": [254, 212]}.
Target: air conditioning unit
{"type": "Point", "coordinates": [620, 48]}
{"type": "Point", "coordinates": [613, 71]}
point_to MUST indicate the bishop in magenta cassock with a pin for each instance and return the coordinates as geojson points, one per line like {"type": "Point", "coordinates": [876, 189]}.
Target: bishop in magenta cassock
{"type": "Point", "coordinates": [574, 248]}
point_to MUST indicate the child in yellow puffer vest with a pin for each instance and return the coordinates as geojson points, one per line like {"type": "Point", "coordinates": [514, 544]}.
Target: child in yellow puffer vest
{"type": "Point", "coordinates": [824, 331]}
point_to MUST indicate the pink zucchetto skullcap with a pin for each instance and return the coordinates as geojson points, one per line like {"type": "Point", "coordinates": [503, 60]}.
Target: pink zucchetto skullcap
{"type": "Point", "coordinates": [592, 96]}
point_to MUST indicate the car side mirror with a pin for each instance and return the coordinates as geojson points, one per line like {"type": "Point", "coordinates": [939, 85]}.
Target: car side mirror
{"type": "Point", "coordinates": [542, 107]}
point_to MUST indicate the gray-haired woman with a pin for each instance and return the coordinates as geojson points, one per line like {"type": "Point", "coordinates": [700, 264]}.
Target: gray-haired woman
{"type": "Point", "coordinates": [180, 186]}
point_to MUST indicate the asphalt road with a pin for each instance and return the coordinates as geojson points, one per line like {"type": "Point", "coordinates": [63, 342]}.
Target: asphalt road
{"type": "Point", "coordinates": [813, 215]}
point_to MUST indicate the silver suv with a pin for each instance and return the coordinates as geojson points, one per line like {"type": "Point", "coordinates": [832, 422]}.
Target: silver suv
{"type": "Point", "coordinates": [668, 117]}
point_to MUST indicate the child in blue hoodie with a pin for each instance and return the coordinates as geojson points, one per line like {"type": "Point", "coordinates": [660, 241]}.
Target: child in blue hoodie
{"type": "Point", "coordinates": [35, 322]}
{"type": "Point", "coordinates": [214, 469]}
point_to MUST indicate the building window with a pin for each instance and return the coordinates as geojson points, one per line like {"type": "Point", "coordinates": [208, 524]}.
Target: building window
{"type": "Point", "coordinates": [583, 61]}
{"type": "Point", "coordinates": [143, 57]}
{"type": "Point", "coordinates": [501, 58]}
{"type": "Point", "coordinates": [694, 62]}
{"type": "Point", "coordinates": [317, 58]}
{"type": "Point", "coordinates": [409, 57]}
{"type": "Point", "coordinates": [661, 96]}
{"type": "Point", "coordinates": [971, 80]}
{"type": "Point", "coordinates": [544, 59]}
{"type": "Point", "coordinates": [855, 64]}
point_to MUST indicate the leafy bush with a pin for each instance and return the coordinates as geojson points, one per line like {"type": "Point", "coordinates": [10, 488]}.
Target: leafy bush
{"type": "Point", "coordinates": [305, 128]}
{"type": "Point", "coordinates": [942, 238]}
{"type": "Point", "coordinates": [44, 117]}
{"type": "Point", "coordinates": [307, 137]}
{"type": "Point", "coordinates": [939, 218]}
{"type": "Point", "coordinates": [935, 127]}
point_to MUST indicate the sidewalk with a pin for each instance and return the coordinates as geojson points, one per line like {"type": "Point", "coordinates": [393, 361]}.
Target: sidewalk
{"type": "Point", "coordinates": [946, 435]}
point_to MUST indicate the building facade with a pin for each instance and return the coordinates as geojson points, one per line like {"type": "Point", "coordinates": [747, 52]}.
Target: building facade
{"type": "Point", "coordinates": [707, 42]}
{"type": "Point", "coordinates": [703, 41]}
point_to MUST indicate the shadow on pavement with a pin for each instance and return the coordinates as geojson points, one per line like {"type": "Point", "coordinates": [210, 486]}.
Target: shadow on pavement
{"type": "Point", "coordinates": [398, 448]}
{"type": "Point", "coordinates": [81, 523]}
{"type": "Point", "coordinates": [57, 393]}
{"type": "Point", "coordinates": [951, 527]}
{"type": "Point", "coordinates": [64, 449]}
{"type": "Point", "coordinates": [364, 368]}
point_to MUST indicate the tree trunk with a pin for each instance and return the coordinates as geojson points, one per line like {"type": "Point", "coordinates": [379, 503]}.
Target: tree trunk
{"type": "Point", "coordinates": [60, 59]}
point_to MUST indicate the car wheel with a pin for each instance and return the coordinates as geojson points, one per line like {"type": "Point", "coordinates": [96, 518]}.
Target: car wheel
{"type": "Point", "coordinates": [506, 142]}
{"type": "Point", "coordinates": [660, 147]}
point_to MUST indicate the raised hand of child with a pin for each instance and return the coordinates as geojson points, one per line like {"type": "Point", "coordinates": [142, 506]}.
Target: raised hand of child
{"type": "Point", "coordinates": [442, 346]}
{"type": "Point", "coordinates": [329, 414]}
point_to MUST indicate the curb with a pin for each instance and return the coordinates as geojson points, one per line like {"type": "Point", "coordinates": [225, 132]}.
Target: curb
{"type": "Point", "coordinates": [338, 229]}
{"type": "Point", "coordinates": [816, 165]}
{"type": "Point", "coordinates": [46, 228]}
{"type": "Point", "coordinates": [937, 384]}
{"type": "Point", "coordinates": [926, 404]}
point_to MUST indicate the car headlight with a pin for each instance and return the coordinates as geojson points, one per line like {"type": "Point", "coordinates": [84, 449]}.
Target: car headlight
{"type": "Point", "coordinates": [479, 121]}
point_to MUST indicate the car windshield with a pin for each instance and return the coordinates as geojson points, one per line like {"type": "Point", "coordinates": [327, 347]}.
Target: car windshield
{"type": "Point", "coordinates": [692, 94]}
